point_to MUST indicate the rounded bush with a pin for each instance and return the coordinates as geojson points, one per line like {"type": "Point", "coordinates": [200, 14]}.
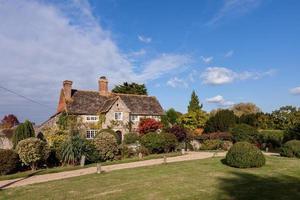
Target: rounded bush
{"type": "Point", "coordinates": [291, 149]}
{"type": "Point", "coordinates": [245, 155]}
{"type": "Point", "coordinates": [32, 150]}
{"type": "Point", "coordinates": [112, 132]}
{"type": "Point", "coordinates": [106, 145]}
{"type": "Point", "coordinates": [9, 161]}
{"type": "Point", "coordinates": [159, 142]}
{"type": "Point", "coordinates": [131, 138]}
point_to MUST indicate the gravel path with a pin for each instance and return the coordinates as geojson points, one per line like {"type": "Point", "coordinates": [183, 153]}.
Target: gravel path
{"type": "Point", "coordinates": [68, 174]}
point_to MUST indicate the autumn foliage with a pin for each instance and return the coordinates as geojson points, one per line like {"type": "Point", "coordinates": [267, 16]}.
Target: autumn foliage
{"type": "Point", "coordinates": [9, 121]}
{"type": "Point", "coordinates": [149, 125]}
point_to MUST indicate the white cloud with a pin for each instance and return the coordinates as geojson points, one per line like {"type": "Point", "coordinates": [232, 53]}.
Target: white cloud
{"type": "Point", "coordinates": [42, 44]}
{"type": "Point", "coordinates": [144, 39]}
{"type": "Point", "coordinates": [207, 60]}
{"type": "Point", "coordinates": [229, 54]}
{"type": "Point", "coordinates": [222, 75]}
{"type": "Point", "coordinates": [234, 8]}
{"type": "Point", "coordinates": [219, 100]}
{"type": "Point", "coordinates": [218, 76]}
{"type": "Point", "coordinates": [295, 91]}
{"type": "Point", "coordinates": [163, 64]}
{"type": "Point", "coordinates": [177, 82]}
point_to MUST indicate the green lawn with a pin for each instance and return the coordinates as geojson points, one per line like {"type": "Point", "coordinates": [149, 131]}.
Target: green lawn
{"type": "Point", "coordinates": [202, 179]}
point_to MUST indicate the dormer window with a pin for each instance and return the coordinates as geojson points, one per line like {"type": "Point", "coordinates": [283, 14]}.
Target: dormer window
{"type": "Point", "coordinates": [118, 116]}
{"type": "Point", "coordinates": [92, 118]}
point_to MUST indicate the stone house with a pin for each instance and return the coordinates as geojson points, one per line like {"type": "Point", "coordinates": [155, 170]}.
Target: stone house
{"type": "Point", "coordinates": [120, 112]}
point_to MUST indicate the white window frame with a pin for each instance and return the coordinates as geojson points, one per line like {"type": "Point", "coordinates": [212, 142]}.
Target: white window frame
{"type": "Point", "coordinates": [134, 118]}
{"type": "Point", "coordinates": [91, 118]}
{"type": "Point", "coordinates": [90, 134]}
{"type": "Point", "coordinates": [120, 117]}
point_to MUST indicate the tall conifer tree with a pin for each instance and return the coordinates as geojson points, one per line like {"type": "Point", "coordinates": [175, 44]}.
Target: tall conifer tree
{"type": "Point", "coordinates": [194, 104]}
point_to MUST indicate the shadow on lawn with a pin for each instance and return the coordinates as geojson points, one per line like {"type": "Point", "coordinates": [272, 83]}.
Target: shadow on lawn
{"type": "Point", "coordinates": [246, 186]}
{"type": "Point", "coordinates": [21, 179]}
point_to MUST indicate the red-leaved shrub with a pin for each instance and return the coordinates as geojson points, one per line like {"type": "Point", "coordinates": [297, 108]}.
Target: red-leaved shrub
{"type": "Point", "coordinates": [149, 125]}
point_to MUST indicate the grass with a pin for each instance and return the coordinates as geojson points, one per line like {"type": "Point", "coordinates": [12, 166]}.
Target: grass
{"type": "Point", "coordinates": [202, 179]}
{"type": "Point", "coordinates": [69, 168]}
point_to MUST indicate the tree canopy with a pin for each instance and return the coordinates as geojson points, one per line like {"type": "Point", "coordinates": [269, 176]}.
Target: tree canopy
{"type": "Point", "coordinates": [245, 109]}
{"type": "Point", "coordinates": [131, 88]}
{"type": "Point", "coordinates": [22, 132]}
{"type": "Point", "coordinates": [9, 121]}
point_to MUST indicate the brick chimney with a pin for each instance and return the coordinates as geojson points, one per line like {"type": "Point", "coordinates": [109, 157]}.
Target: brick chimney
{"type": "Point", "coordinates": [67, 88]}
{"type": "Point", "coordinates": [103, 86]}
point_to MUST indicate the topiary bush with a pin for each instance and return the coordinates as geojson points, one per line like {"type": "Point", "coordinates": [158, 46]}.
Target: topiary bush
{"type": "Point", "coordinates": [131, 138]}
{"type": "Point", "coordinates": [159, 142]}
{"type": "Point", "coordinates": [291, 149]}
{"type": "Point", "coordinates": [106, 145]}
{"type": "Point", "coordinates": [245, 133]}
{"type": "Point", "coordinates": [245, 155]}
{"type": "Point", "coordinates": [32, 151]}
{"type": "Point", "coordinates": [211, 145]}
{"type": "Point", "coordinates": [9, 161]}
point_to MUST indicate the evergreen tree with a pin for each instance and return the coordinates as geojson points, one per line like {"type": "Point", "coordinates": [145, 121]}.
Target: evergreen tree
{"type": "Point", "coordinates": [194, 104]}
{"type": "Point", "coordinates": [131, 88]}
{"type": "Point", "coordinates": [22, 132]}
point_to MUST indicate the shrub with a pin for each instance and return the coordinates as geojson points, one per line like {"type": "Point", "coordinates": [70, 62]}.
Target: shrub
{"type": "Point", "coordinates": [159, 143]}
{"type": "Point", "coordinates": [9, 161]}
{"type": "Point", "coordinates": [245, 155]}
{"type": "Point", "coordinates": [131, 138]}
{"type": "Point", "coordinates": [293, 133]}
{"type": "Point", "coordinates": [215, 136]}
{"type": "Point", "coordinates": [244, 133]}
{"type": "Point", "coordinates": [143, 150]}
{"type": "Point", "coordinates": [272, 137]}
{"type": "Point", "coordinates": [22, 132]}
{"type": "Point", "coordinates": [127, 151]}
{"type": "Point", "coordinates": [211, 145]}
{"type": "Point", "coordinates": [180, 133]}
{"type": "Point", "coordinates": [73, 149]}
{"type": "Point", "coordinates": [149, 125]}
{"type": "Point", "coordinates": [106, 146]}
{"type": "Point", "coordinates": [291, 149]}
{"type": "Point", "coordinates": [222, 121]}
{"type": "Point", "coordinates": [31, 151]}
{"type": "Point", "coordinates": [112, 132]}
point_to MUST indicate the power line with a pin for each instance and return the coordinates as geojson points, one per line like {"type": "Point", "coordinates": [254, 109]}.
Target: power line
{"type": "Point", "coordinates": [24, 97]}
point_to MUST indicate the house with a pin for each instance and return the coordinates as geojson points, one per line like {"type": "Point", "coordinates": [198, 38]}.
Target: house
{"type": "Point", "coordinates": [120, 112]}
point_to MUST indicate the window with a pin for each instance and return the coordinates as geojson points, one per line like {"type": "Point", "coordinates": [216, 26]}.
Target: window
{"type": "Point", "coordinates": [134, 118]}
{"type": "Point", "coordinates": [90, 134]}
{"type": "Point", "coordinates": [118, 116]}
{"type": "Point", "coordinates": [92, 118]}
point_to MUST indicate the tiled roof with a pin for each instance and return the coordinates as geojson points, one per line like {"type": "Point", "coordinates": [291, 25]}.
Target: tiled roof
{"type": "Point", "coordinates": [91, 102]}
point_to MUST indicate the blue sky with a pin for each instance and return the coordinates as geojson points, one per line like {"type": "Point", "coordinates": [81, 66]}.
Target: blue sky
{"type": "Point", "coordinates": [228, 51]}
